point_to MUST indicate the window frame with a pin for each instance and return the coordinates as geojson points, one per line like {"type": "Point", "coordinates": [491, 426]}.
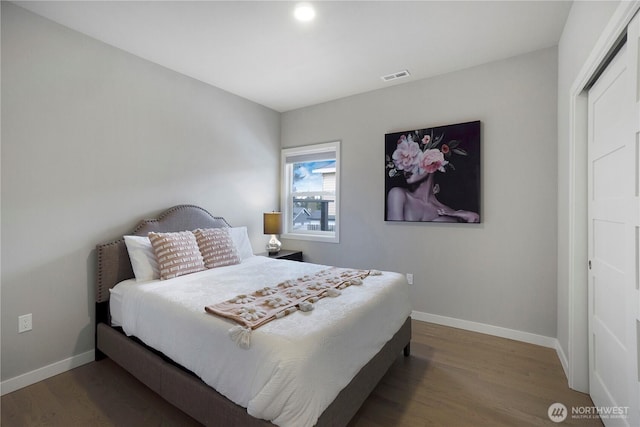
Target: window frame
{"type": "Point", "coordinates": [286, 194]}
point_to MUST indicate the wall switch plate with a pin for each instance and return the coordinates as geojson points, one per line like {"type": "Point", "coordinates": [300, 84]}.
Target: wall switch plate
{"type": "Point", "coordinates": [24, 323]}
{"type": "Point", "coordinates": [410, 278]}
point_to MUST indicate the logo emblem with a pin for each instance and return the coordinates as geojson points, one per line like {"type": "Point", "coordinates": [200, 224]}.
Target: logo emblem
{"type": "Point", "coordinates": [557, 412]}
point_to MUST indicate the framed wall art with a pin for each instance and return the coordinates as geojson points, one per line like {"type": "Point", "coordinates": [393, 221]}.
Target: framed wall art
{"type": "Point", "coordinates": [433, 174]}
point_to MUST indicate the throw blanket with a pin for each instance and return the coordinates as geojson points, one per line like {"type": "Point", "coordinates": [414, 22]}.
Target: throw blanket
{"type": "Point", "coordinates": [264, 305]}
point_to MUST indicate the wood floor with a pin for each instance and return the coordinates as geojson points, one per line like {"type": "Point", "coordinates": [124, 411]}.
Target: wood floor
{"type": "Point", "coordinates": [453, 378]}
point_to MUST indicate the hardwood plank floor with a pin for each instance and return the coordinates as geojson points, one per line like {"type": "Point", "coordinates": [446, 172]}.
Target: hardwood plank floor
{"type": "Point", "coordinates": [453, 378]}
{"type": "Point", "coordinates": [461, 378]}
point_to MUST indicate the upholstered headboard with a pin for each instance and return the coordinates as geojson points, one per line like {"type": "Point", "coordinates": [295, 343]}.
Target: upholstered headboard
{"type": "Point", "coordinates": [114, 265]}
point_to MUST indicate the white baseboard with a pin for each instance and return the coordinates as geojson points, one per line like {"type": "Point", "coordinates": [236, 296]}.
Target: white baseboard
{"type": "Point", "coordinates": [563, 359]}
{"type": "Point", "coordinates": [16, 383]}
{"type": "Point", "coordinates": [483, 328]}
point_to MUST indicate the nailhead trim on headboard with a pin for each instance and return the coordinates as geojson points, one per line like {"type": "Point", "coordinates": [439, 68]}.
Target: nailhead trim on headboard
{"type": "Point", "coordinates": [111, 264]}
{"type": "Point", "coordinates": [114, 265]}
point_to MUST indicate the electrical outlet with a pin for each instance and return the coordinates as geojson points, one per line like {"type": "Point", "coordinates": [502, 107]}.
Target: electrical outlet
{"type": "Point", "coordinates": [410, 278]}
{"type": "Point", "coordinates": [24, 323]}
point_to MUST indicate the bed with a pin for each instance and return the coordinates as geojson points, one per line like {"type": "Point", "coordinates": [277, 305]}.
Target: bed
{"type": "Point", "coordinates": [182, 383]}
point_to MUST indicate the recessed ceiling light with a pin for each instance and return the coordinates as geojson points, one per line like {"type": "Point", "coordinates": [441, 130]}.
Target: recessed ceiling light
{"type": "Point", "coordinates": [304, 12]}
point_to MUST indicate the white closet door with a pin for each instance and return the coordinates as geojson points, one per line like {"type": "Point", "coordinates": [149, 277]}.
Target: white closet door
{"type": "Point", "coordinates": [613, 236]}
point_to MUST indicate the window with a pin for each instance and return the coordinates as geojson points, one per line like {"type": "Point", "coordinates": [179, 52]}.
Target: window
{"type": "Point", "coordinates": [310, 183]}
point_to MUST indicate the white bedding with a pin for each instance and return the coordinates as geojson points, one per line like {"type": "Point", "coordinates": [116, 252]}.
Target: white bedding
{"type": "Point", "coordinates": [296, 365]}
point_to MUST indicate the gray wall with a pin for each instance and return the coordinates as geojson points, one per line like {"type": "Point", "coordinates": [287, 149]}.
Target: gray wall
{"type": "Point", "coordinates": [501, 272]}
{"type": "Point", "coordinates": [93, 139]}
{"type": "Point", "coordinates": [584, 26]}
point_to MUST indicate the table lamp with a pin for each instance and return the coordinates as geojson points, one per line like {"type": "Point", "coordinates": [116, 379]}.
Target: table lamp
{"type": "Point", "coordinates": [273, 225]}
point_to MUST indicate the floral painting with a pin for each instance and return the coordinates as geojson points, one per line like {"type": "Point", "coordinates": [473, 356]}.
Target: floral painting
{"type": "Point", "coordinates": [433, 174]}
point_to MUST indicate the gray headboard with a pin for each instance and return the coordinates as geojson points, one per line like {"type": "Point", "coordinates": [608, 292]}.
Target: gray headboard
{"type": "Point", "coordinates": [114, 265]}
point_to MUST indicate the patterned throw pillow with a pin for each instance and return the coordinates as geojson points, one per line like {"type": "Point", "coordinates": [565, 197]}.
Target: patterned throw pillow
{"type": "Point", "coordinates": [177, 253]}
{"type": "Point", "coordinates": [217, 247]}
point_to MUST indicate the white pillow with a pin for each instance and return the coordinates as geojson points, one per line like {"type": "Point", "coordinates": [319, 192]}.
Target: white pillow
{"type": "Point", "coordinates": [242, 242]}
{"type": "Point", "coordinates": [143, 259]}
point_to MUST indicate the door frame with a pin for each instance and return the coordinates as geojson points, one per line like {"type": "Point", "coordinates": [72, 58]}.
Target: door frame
{"type": "Point", "coordinates": [577, 363]}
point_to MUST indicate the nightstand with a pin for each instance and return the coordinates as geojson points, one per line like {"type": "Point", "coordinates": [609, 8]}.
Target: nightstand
{"type": "Point", "coordinates": [285, 254]}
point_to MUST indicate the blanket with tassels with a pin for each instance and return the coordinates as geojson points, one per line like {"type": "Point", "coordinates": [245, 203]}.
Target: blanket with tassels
{"type": "Point", "coordinates": [253, 310]}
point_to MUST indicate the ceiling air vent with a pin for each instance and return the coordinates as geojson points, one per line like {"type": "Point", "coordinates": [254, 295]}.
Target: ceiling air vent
{"type": "Point", "coordinates": [397, 75]}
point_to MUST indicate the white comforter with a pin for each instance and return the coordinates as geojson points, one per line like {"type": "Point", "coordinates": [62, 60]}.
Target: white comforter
{"type": "Point", "coordinates": [296, 365]}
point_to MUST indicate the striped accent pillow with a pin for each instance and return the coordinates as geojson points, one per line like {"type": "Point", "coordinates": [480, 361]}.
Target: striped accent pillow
{"type": "Point", "coordinates": [217, 247]}
{"type": "Point", "coordinates": [177, 253]}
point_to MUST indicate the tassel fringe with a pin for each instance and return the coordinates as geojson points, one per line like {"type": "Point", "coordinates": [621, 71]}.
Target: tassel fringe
{"type": "Point", "coordinates": [333, 292]}
{"type": "Point", "coordinates": [241, 336]}
{"type": "Point", "coordinates": [306, 306]}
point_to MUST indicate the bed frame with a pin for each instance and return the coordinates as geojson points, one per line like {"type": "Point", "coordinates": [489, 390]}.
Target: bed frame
{"type": "Point", "coordinates": [179, 386]}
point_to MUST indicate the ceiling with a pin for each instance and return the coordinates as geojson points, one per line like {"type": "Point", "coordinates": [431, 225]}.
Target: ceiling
{"type": "Point", "coordinates": [257, 50]}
